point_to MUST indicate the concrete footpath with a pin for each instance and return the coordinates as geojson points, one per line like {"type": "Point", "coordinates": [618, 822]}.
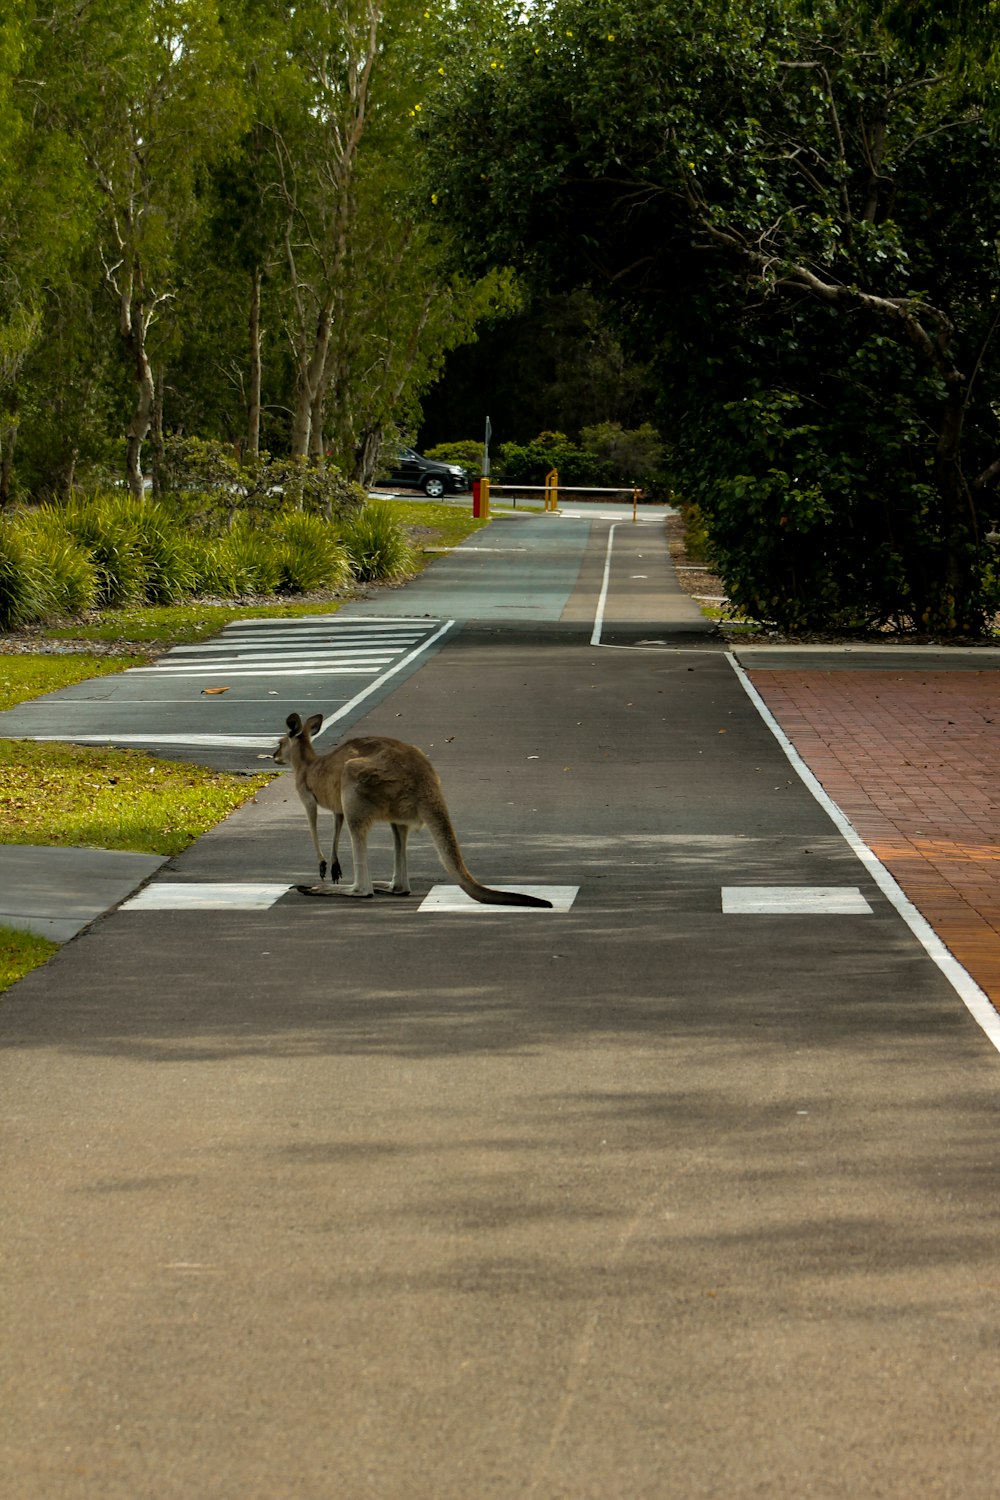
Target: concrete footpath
{"type": "Point", "coordinates": [685, 1189]}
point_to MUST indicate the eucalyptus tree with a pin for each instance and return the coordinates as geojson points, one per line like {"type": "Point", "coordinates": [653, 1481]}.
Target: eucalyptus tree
{"type": "Point", "coordinates": [44, 215]}
{"type": "Point", "coordinates": [147, 90]}
{"type": "Point", "coordinates": [365, 295]}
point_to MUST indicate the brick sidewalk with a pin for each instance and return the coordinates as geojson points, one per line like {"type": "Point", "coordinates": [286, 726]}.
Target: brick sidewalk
{"type": "Point", "coordinates": [912, 758]}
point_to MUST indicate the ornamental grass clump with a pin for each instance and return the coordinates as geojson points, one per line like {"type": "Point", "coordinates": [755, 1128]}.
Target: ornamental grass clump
{"type": "Point", "coordinates": [312, 555]}
{"type": "Point", "coordinates": [376, 544]}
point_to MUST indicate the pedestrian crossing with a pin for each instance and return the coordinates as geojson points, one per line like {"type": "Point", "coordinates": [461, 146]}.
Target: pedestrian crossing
{"type": "Point", "coordinates": [217, 700]}
{"type": "Point", "coordinates": [763, 901]}
{"type": "Point", "coordinates": [308, 646]}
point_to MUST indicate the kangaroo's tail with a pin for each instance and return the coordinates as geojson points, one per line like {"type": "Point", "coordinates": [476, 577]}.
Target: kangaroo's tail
{"type": "Point", "coordinates": [439, 825]}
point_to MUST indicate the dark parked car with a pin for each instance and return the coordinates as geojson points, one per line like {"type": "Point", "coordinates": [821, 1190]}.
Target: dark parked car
{"type": "Point", "coordinates": [414, 472]}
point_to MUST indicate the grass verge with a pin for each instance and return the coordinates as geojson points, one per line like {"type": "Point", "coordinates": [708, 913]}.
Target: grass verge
{"type": "Point", "coordinates": [76, 796]}
{"type": "Point", "coordinates": [29, 676]}
{"type": "Point", "coordinates": [20, 952]}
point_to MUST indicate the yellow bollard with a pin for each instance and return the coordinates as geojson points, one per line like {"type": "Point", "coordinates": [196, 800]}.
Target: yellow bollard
{"type": "Point", "coordinates": [484, 498]}
{"type": "Point", "coordinates": [552, 490]}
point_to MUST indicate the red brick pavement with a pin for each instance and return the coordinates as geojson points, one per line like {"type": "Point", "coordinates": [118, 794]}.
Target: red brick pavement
{"type": "Point", "coordinates": [912, 758]}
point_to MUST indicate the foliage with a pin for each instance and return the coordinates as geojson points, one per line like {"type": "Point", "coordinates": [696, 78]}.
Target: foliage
{"type": "Point", "coordinates": [817, 185]}
{"type": "Point", "coordinates": [632, 456]}
{"type": "Point", "coordinates": [209, 224]}
{"type": "Point", "coordinates": [312, 556]}
{"type": "Point", "coordinates": [258, 482]}
{"type": "Point", "coordinates": [376, 545]}
{"type": "Point", "coordinates": [529, 463]}
{"type": "Point", "coordinates": [468, 453]}
{"type": "Point", "coordinates": [22, 597]}
{"type": "Point", "coordinates": [112, 551]}
{"type": "Point", "coordinates": [64, 570]}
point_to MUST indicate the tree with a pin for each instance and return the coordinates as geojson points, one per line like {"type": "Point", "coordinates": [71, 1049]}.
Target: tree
{"type": "Point", "coordinates": [147, 89]}
{"type": "Point", "coordinates": [44, 215]}
{"type": "Point", "coordinates": [796, 206]}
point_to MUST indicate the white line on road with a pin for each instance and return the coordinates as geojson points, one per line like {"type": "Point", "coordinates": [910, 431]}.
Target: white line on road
{"type": "Point", "coordinates": [595, 639]}
{"type": "Point", "coordinates": [976, 1001]}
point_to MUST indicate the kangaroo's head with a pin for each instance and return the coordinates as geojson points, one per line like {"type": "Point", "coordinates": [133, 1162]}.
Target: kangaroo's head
{"type": "Point", "coordinates": [296, 745]}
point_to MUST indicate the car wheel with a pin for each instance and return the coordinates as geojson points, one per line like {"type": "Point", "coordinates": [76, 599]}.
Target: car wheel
{"type": "Point", "coordinates": [434, 486]}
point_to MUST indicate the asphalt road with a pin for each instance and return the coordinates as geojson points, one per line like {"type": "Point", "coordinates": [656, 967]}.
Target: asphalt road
{"type": "Point", "coordinates": [686, 1190]}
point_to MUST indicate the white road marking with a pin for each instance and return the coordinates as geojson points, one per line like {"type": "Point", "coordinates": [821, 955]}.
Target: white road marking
{"type": "Point", "coordinates": [595, 639]}
{"type": "Point", "coordinates": [175, 895]}
{"type": "Point", "coordinates": [451, 898]}
{"type": "Point", "coordinates": [794, 900]}
{"type": "Point", "coordinates": [291, 664]}
{"type": "Point", "coordinates": [976, 1001]}
{"type": "Point", "coordinates": [218, 895]}
{"type": "Point", "coordinates": [225, 668]}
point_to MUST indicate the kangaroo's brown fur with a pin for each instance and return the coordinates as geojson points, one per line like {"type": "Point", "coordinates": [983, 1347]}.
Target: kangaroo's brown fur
{"type": "Point", "coordinates": [371, 779]}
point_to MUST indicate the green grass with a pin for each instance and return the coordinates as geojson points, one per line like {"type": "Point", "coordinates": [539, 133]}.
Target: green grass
{"type": "Point", "coordinates": [23, 677]}
{"type": "Point", "coordinates": [448, 524]}
{"type": "Point", "coordinates": [76, 796]}
{"type": "Point", "coordinates": [20, 952]}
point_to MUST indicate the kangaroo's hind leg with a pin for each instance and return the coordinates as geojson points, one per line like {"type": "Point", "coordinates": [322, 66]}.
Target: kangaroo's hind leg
{"type": "Point", "coordinates": [400, 883]}
{"type": "Point", "coordinates": [338, 825]}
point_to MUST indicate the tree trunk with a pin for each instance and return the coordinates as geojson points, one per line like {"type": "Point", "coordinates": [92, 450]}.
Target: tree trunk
{"type": "Point", "coordinates": [134, 336]}
{"type": "Point", "coordinates": [317, 450]}
{"type": "Point", "coordinates": [158, 447]}
{"type": "Point", "coordinates": [256, 338]}
{"type": "Point", "coordinates": [309, 382]}
{"type": "Point", "coordinates": [366, 455]}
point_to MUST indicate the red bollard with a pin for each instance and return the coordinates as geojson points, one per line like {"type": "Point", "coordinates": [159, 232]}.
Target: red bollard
{"type": "Point", "coordinates": [477, 498]}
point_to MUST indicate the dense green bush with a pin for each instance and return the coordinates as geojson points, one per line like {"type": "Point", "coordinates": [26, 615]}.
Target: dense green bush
{"type": "Point", "coordinates": [529, 463]}
{"type": "Point", "coordinates": [312, 555]}
{"type": "Point", "coordinates": [257, 483]}
{"type": "Point", "coordinates": [65, 574]}
{"type": "Point", "coordinates": [110, 529]}
{"type": "Point", "coordinates": [110, 550]}
{"type": "Point", "coordinates": [468, 453]}
{"type": "Point", "coordinates": [376, 545]}
{"type": "Point", "coordinates": [22, 599]}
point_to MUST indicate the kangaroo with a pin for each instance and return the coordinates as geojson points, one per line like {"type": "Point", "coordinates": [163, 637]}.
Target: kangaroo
{"type": "Point", "coordinates": [371, 779]}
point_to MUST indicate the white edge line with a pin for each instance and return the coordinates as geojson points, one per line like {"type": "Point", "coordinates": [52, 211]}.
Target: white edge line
{"type": "Point", "coordinates": [976, 1001]}
{"type": "Point", "coordinates": [404, 661]}
{"type": "Point", "coordinates": [595, 639]}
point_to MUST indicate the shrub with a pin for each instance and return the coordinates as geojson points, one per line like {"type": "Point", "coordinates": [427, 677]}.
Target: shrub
{"type": "Point", "coordinates": [376, 544]}
{"type": "Point", "coordinates": [109, 528]}
{"type": "Point", "coordinates": [257, 483]}
{"type": "Point", "coordinates": [22, 599]}
{"type": "Point", "coordinates": [469, 454]}
{"type": "Point", "coordinates": [529, 463]}
{"type": "Point", "coordinates": [312, 554]}
{"type": "Point", "coordinates": [244, 561]}
{"type": "Point", "coordinates": [632, 455]}
{"type": "Point", "coordinates": [65, 574]}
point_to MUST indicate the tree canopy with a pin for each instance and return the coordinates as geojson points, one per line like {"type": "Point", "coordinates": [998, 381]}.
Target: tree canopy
{"type": "Point", "coordinates": [793, 207]}
{"type": "Point", "coordinates": [208, 225]}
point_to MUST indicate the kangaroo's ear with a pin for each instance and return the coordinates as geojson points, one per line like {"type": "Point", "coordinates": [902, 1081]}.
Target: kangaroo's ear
{"type": "Point", "coordinates": [294, 725]}
{"type": "Point", "coordinates": [314, 725]}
